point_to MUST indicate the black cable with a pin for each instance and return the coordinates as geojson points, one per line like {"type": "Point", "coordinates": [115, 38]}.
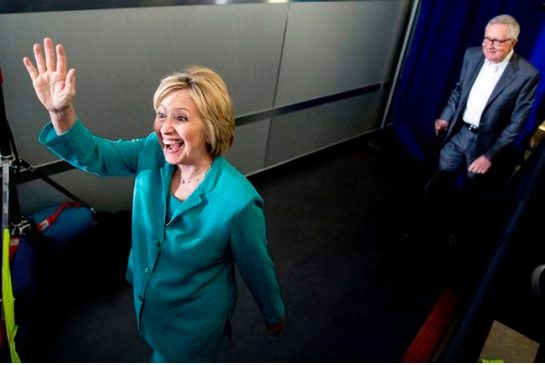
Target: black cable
{"type": "Point", "coordinates": [51, 182]}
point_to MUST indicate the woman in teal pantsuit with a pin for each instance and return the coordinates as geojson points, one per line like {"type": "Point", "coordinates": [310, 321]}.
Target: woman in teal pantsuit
{"type": "Point", "coordinates": [194, 214]}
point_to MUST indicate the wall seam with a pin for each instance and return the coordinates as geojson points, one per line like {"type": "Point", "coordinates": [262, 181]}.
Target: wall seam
{"type": "Point", "coordinates": [266, 155]}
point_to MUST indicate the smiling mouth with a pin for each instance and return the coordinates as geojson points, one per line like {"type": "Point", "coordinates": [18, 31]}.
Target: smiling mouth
{"type": "Point", "coordinates": [173, 146]}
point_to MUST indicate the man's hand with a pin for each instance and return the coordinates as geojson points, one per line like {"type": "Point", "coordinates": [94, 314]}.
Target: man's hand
{"type": "Point", "coordinates": [440, 124]}
{"type": "Point", "coordinates": [480, 166]}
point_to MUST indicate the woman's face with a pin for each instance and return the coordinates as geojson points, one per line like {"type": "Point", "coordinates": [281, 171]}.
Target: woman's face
{"type": "Point", "coordinates": [180, 129]}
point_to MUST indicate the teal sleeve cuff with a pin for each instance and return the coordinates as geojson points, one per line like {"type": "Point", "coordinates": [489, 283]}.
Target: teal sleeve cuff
{"type": "Point", "coordinates": [48, 137]}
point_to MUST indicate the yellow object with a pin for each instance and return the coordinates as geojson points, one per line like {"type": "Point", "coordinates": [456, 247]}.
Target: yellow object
{"type": "Point", "coordinates": [8, 300]}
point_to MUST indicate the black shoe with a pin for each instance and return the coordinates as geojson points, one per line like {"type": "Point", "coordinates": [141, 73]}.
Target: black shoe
{"type": "Point", "coordinates": [538, 281]}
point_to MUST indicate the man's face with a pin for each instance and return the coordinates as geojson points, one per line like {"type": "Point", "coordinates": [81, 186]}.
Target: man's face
{"type": "Point", "coordinates": [496, 42]}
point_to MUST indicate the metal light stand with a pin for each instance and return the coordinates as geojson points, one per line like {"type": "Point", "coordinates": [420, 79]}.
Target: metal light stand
{"type": "Point", "coordinates": [11, 214]}
{"type": "Point", "coordinates": [6, 160]}
{"type": "Point", "coordinates": [12, 220]}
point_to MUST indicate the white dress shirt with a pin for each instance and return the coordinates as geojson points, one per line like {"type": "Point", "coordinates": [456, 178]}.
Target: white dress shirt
{"type": "Point", "coordinates": [482, 88]}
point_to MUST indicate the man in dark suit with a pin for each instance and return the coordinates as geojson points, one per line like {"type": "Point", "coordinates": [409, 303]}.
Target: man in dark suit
{"type": "Point", "coordinates": [487, 109]}
{"type": "Point", "coordinates": [485, 112]}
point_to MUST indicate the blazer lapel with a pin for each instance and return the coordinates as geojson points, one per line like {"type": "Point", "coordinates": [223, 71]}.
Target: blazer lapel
{"type": "Point", "coordinates": [206, 186]}
{"type": "Point", "coordinates": [166, 176]}
{"type": "Point", "coordinates": [192, 201]}
{"type": "Point", "coordinates": [505, 79]}
{"type": "Point", "coordinates": [476, 62]}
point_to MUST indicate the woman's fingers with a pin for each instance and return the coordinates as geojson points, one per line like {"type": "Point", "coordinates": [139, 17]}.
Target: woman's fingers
{"type": "Point", "coordinates": [40, 63]}
{"type": "Point", "coordinates": [54, 86]}
{"type": "Point", "coordinates": [71, 80]}
{"type": "Point", "coordinates": [55, 59]}
{"type": "Point", "coordinates": [30, 68]}
{"type": "Point", "coordinates": [61, 59]}
{"type": "Point", "coordinates": [49, 55]}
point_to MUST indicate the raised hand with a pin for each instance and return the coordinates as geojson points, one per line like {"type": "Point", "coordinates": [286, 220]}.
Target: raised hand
{"type": "Point", "coordinates": [54, 86]}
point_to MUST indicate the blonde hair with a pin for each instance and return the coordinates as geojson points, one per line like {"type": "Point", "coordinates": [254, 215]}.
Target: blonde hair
{"type": "Point", "coordinates": [209, 92]}
{"type": "Point", "coordinates": [510, 21]}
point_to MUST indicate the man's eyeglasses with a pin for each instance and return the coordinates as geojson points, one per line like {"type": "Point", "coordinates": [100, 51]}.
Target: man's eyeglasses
{"type": "Point", "coordinates": [494, 42]}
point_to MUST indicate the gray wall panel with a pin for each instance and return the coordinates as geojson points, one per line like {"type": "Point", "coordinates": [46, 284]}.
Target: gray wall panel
{"type": "Point", "coordinates": [399, 25]}
{"type": "Point", "coordinates": [338, 46]}
{"type": "Point", "coordinates": [121, 54]}
{"type": "Point", "coordinates": [306, 131]}
{"type": "Point", "coordinates": [250, 145]}
{"type": "Point", "coordinates": [270, 55]}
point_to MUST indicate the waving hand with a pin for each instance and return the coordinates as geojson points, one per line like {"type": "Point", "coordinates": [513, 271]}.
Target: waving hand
{"type": "Point", "coordinates": [54, 86]}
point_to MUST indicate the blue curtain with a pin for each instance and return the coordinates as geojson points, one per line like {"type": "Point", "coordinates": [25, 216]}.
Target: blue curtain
{"type": "Point", "coordinates": [444, 29]}
{"type": "Point", "coordinates": [531, 16]}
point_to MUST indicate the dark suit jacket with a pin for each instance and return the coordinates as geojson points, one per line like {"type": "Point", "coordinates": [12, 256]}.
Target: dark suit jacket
{"type": "Point", "coordinates": [507, 109]}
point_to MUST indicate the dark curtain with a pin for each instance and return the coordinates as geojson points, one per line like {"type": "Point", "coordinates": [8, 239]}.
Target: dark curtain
{"type": "Point", "coordinates": [531, 16]}
{"type": "Point", "coordinates": [443, 30]}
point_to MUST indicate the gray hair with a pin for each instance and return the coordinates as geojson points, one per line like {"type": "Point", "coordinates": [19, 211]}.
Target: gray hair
{"type": "Point", "coordinates": [511, 22]}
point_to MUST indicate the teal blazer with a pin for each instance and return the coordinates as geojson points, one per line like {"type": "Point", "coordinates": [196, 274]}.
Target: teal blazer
{"type": "Point", "coordinates": [182, 270]}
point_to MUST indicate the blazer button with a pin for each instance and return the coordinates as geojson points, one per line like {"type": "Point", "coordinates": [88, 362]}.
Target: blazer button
{"type": "Point", "coordinates": [140, 297]}
{"type": "Point", "coordinates": [157, 243]}
{"type": "Point", "coordinates": [147, 271]}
